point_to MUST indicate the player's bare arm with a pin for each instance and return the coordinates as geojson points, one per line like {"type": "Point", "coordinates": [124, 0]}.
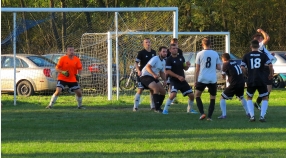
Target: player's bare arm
{"type": "Point", "coordinates": [218, 66]}
{"type": "Point", "coordinates": [171, 73]}
{"type": "Point", "coordinates": [197, 72]}
{"type": "Point", "coordinates": [271, 71]}
{"type": "Point", "coordinates": [266, 37]}
{"type": "Point", "coordinates": [149, 69]}
{"type": "Point", "coordinates": [137, 69]}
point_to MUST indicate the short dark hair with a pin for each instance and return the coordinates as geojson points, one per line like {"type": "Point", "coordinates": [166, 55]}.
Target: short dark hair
{"type": "Point", "coordinates": [174, 40]}
{"type": "Point", "coordinates": [256, 36]}
{"type": "Point", "coordinates": [206, 42]}
{"type": "Point", "coordinates": [162, 47]}
{"type": "Point", "coordinates": [173, 45]}
{"type": "Point", "coordinates": [254, 44]}
{"type": "Point", "coordinates": [225, 56]}
{"type": "Point", "coordinates": [69, 46]}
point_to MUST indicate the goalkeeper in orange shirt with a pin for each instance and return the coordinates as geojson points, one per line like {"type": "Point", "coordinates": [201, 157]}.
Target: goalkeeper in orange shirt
{"type": "Point", "coordinates": [69, 68]}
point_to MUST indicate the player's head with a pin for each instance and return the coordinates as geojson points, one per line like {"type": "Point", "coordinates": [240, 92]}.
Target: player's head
{"type": "Point", "coordinates": [70, 50]}
{"type": "Point", "coordinates": [147, 43]}
{"type": "Point", "coordinates": [225, 57]}
{"type": "Point", "coordinates": [174, 41]}
{"type": "Point", "coordinates": [162, 52]}
{"type": "Point", "coordinates": [258, 36]}
{"type": "Point", "coordinates": [254, 44]}
{"type": "Point", "coordinates": [206, 42]}
{"type": "Point", "coordinates": [173, 49]}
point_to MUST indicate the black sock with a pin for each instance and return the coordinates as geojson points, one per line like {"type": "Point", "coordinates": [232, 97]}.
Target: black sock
{"type": "Point", "coordinates": [211, 108]}
{"type": "Point", "coordinates": [162, 97]}
{"type": "Point", "coordinates": [156, 98]}
{"type": "Point", "coordinates": [200, 105]}
{"type": "Point", "coordinates": [259, 100]}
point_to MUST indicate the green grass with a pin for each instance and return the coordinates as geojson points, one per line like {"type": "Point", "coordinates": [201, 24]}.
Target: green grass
{"type": "Point", "coordinates": [112, 129]}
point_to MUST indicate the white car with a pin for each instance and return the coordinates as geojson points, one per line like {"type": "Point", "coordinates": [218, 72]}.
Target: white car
{"type": "Point", "coordinates": [279, 79]}
{"type": "Point", "coordinates": [34, 73]}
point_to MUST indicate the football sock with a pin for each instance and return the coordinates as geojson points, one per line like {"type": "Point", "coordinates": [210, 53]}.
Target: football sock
{"type": "Point", "coordinates": [264, 107]}
{"type": "Point", "coordinates": [200, 105]}
{"type": "Point", "coordinates": [168, 103]}
{"type": "Point", "coordinates": [152, 104]}
{"type": "Point", "coordinates": [223, 107]}
{"type": "Point", "coordinates": [79, 100]}
{"type": "Point", "coordinates": [250, 107]}
{"type": "Point", "coordinates": [156, 98]}
{"type": "Point", "coordinates": [136, 100]}
{"type": "Point", "coordinates": [162, 97]}
{"type": "Point", "coordinates": [191, 104]}
{"type": "Point", "coordinates": [53, 100]}
{"type": "Point", "coordinates": [258, 100]}
{"type": "Point", "coordinates": [211, 108]}
{"type": "Point", "coordinates": [244, 104]}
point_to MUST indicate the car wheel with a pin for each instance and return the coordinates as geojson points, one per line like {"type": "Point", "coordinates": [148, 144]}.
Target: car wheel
{"type": "Point", "coordinates": [278, 82]}
{"type": "Point", "coordinates": [25, 88]}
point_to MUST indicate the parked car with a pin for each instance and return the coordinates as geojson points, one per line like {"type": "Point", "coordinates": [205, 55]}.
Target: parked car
{"type": "Point", "coordinates": [190, 73]}
{"type": "Point", "coordinates": [279, 79]}
{"type": "Point", "coordinates": [34, 73]}
{"type": "Point", "coordinates": [94, 69]}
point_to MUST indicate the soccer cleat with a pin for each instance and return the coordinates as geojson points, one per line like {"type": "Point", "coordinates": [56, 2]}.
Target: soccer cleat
{"type": "Point", "coordinates": [80, 107]}
{"type": "Point", "coordinates": [159, 111]}
{"type": "Point", "coordinates": [152, 109]}
{"type": "Point", "coordinates": [209, 119]}
{"type": "Point", "coordinates": [252, 119]}
{"type": "Point", "coordinates": [48, 107]}
{"type": "Point", "coordinates": [165, 112]}
{"type": "Point", "coordinates": [135, 109]}
{"type": "Point", "coordinates": [222, 117]}
{"type": "Point", "coordinates": [248, 115]}
{"type": "Point", "coordinates": [203, 116]}
{"type": "Point", "coordinates": [262, 119]}
{"type": "Point", "coordinates": [257, 106]}
{"type": "Point", "coordinates": [193, 111]}
{"type": "Point", "coordinates": [174, 102]}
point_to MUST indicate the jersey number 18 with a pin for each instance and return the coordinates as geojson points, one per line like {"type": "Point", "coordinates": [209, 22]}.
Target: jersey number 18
{"type": "Point", "coordinates": [255, 63]}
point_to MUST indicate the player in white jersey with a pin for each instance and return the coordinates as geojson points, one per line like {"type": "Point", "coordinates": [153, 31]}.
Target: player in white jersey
{"type": "Point", "coordinates": [207, 61]}
{"type": "Point", "coordinates": [150, 77]}
{"type": "Point", "coordinates": [262, 37]}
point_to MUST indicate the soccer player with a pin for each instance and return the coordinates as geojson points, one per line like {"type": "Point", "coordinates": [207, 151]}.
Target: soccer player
{"type": "Point", "coordinates": [255, 61]}
{"type": "Point", "coordinates": [175, 66]}
{"type": "Point", "coordinates": [235, 77]}
{"type": "Point", "coordinates": [150, 77]}
{"type": "Point", "coordinates": [207, 61]}
{"type": "Point", "coordinates": [142, 58]}
{"type": "Point", "coordinates": [262, 37]}
{"type": "Point", "coordinates": [69, 68]}
{"type": "Point", "coordinates": [180, 52]}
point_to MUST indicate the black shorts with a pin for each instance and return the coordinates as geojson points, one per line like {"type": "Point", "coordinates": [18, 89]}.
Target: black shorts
{"type": "Point", "coordinates": [72, 85]}
{"type": "Point", "coordinates": [266, 75]}
{"type": "Point", "coordinates": [232, 90]}
{"type": "Point", "coordinates": [211, 86]}
{"type": "Point", "coordinates": [139, 83]}
{"type": "Point", "coordinates": [262, 90]}
{"type": "Point", "coordinates": [146, 80]}
{"type": "Point", "coordinates": [184, 87]}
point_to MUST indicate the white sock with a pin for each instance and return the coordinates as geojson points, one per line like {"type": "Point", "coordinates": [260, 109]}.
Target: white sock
{"type": "Point", "coordinates": [136, 100]}
{"type": "Point", "coordinates": [190, 104]}
{"type": "Point", "coordinates": [79, 100]}
{"type": "Point", "coordinates": [223, 107]}
{"type": "Point", "coordinates": [250, 107]}
{"type": "Point", "coordinates": [53, 100]}
{"type": "Point", "coordinates": [152, 105]}
{"type": "Point", "coordinates": [264, 107]}
{"type": "Point", "coordinates": [167, 105]}
{"type": "Point", "coordinates": [244, 104]}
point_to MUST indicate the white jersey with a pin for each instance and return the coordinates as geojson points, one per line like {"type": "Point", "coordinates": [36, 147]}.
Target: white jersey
{"type": "Point", "coordinates": [157, 65]}
{"type": "Point", "coordinates": [207, 59]}
{"type": "Point", "coordinates": [262, 49]}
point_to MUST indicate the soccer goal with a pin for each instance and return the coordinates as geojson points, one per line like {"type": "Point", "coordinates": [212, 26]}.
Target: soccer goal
{"type": "Point", "coordinates": [119, 50]}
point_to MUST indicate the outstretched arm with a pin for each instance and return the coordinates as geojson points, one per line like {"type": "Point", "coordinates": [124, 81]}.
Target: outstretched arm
{"type": "Point", "coordinates": [266, 37]}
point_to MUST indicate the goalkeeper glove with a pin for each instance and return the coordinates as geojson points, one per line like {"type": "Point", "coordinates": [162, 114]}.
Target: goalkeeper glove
{"type": "Point", "coordinates": [65, 73]}
{"type": "Point", "coordinates": [77, 76]}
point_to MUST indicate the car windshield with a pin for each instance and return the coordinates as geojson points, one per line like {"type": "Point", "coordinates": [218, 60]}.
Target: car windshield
{"type": "Point", "coordinates": [41, 61]}
{"type": "Point", "coordinates": [283, 56]}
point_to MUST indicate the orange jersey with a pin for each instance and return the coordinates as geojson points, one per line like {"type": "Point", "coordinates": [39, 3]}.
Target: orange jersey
{"type": "Point", "coordinates": [70, 65]}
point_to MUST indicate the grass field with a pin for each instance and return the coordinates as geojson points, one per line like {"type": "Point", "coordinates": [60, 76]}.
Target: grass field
{"type": "Point", "coordinates": [112, 129]}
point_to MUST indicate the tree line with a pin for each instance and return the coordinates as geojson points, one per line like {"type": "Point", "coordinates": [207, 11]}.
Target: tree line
{"type": "Point", "coordinates": [240, 17]}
